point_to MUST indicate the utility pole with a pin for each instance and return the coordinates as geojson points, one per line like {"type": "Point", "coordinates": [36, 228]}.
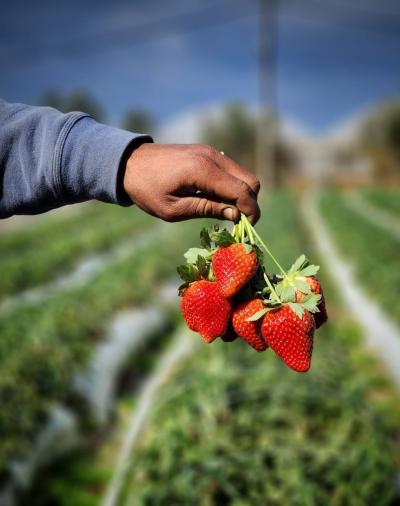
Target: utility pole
{"type": "Point", "coordinates": [266, 125]}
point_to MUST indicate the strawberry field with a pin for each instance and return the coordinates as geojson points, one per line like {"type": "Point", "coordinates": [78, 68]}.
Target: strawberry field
{"type": "Point", "coordinates": [373, 252]}
{"type": "Point", "coordinates": [230, 425]}
{"type": "Point", "coordinates": [386, 198]}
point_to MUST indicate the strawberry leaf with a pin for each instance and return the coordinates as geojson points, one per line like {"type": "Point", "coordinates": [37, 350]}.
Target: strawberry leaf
{"type": "Point", "coordinates": [188, 272]}
{"type": "Point", "coordinates": [302, 285]}
{"type": "Point", "coordinates": [222, 237]}
{"type": "Point", "coordinates": [298, 264]}
{"type": "Point", "coordinates": [202, 266]}
{"type": "Point", "coordinates": [259, 253]}
{"type": "Point", "coordinates": [285, 292]}
{"type": "Point", "coordinates": [192, 254]}
{"type": "Point", "coordinates": [297, 309]}
{"type": "Point", "coordinates": [288, 294]}
{"type": "Point", "coordinates": [248, 248]}
{"type": "Point", "coordinates": [310, 270]}
{"type": "Point", "coordinates": [182, 288]}
{"type": "Point", "coordinates": [310, 302]}
{"type": "Point", "coordinates": [259, 314]}
{"type": "Point", "coordinates": [205, 239]}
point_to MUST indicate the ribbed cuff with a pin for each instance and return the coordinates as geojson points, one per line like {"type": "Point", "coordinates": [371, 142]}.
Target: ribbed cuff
{"type": "Point", "coordinates": [90, 162]}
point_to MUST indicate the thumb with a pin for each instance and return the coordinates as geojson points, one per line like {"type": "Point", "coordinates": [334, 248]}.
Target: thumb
{"type": "Point", "coordinates": [203, 207]}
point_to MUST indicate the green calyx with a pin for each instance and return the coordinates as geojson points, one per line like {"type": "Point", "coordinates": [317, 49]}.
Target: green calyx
{"type": "Point", "coordinates": [275, 290]}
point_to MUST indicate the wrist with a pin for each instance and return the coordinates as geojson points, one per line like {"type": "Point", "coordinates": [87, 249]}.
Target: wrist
{"type": "Point", "coordinates": [127, 160]}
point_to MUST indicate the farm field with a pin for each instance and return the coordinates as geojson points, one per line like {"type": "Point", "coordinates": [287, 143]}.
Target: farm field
{"type": "Point", "coordinates": [385, 198]}
{"type": "Point", "coordinates": [55, 339]}
{"type": "Point", "coordinates": [36, 255]}
{"type": "Point", "coordinates": [373, 252]}
{"type": "Point", "coordinates": [231, 426]}
{"type": "Point", "coordinates": [235, 427]}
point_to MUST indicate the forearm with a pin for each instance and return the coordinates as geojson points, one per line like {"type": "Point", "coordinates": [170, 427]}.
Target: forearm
{"type": "Point", "coordinates": [48, 159]}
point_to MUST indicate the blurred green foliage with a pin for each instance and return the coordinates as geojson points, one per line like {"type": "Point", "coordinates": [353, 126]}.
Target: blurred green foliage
{"type": "Point", "coordinates": [235, 134]}
{"type": "Point", "coordinates": [373, 252]}
{"type": "Point", "coordinates": [138, 121]}
{"type": "Point", "coordinates": [37, 255]}
{"type": "Point", "coordinates": [234, 427]}
{"type": "Point", "coordinates": [380, 137]}
{"type": "Point", "coordinates": [43, 345]}
{"type": "Point", "coordinates": [386, 198]}
{"type": "Point", "coordinates": [77, 100]}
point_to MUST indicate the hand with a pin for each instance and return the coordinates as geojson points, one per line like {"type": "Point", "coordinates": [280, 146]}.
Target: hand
{"type": "Point", "coordinates": [177, 182]}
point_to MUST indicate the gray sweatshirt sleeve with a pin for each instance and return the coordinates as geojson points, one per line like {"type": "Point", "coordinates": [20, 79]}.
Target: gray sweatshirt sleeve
{"type": "Point", "coordinates": [49, 159]}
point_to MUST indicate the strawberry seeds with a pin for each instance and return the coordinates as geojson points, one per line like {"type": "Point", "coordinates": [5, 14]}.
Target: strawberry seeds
{"type": "Point", "coordinates": [227, 293]}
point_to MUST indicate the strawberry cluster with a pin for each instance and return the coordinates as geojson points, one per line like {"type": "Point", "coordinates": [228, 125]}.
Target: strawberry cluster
{"type": "Point", "coordinates": [228, 293]}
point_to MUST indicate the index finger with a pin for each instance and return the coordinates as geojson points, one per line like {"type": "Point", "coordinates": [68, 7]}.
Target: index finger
{"type": "Point", "coordinates": [213, 180]}
{"type": "Point", "coordinates": [235, 169]}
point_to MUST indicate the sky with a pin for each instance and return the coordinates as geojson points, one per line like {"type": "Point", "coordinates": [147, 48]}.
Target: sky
{"type": "Point", "coordinates": [334, 58]}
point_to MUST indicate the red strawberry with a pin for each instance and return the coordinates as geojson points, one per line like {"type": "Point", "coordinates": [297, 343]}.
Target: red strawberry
{"type": "Point", "coordinates": [249, 331]}
{"type": "Point", "coordinates": [315, 285]}
{"type": "Point", "coordinates": [290, 337]}
{"type": "Point", "coordinates": [233, 267]}
{"type": "Point", "coordinates": [205, 309]}
{"type": "Point", "coordinates": [230, 334]}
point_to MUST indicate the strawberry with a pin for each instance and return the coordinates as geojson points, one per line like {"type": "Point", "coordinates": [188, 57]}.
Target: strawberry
{"type": "Point", "coordinates": [230, 334]}
{"type": "Point", "coordinates": [234, 266]}
{"type": "Point", "coordinates": [249, 330]}
{"type": "Point", "coordinates": [205, 309]}
{"type": "Point", "coordinates": [321, 317]}
{"type": "Point", "coordinates": [290, 336]}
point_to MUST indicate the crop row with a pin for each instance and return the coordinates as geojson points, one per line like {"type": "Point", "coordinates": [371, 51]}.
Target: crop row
{"type": "Point", "coordinates": [385, 198]}
{"type": "Point", "coordinates": [236, 427]}
{"type": "Point", "coordinates": [42, 346]}
{"type": "Point", "coordinates": [81, 478]}
{"type": "Point", "coordinates": [374, 253]}
{"type": "Point", "coordinates": [32, 256]}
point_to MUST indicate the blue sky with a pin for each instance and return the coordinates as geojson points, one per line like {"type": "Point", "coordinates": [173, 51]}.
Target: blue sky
{"type": "Point", "coordinates": [334, 58]}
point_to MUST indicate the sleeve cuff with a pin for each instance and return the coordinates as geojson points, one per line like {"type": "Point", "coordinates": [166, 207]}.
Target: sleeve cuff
{"type": "Point", "coordinates": [90, 163]}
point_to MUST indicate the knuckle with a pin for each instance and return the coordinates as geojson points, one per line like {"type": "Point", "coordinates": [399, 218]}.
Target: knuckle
{"type": "Point", "coordinates": [209, 151]}
{"type": "Point", "coordinates": [256, 184]}
{"type": "Point", "coordinates": [244, 190]}
{"type": "Point", "coordinates": [204, 207]}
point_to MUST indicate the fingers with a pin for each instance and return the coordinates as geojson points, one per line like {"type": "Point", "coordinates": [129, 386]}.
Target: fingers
{"type": "Point", "coordinates": [223, 187]}
{"type": "Point", "coordinates": [232, 167]}
{"type": "Point", "coordinates": [204, 207]}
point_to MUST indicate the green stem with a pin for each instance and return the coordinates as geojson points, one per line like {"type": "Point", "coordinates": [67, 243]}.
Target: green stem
{"type": "Point", "coordinates": [270, 286]}
{"type": "Point", "coordinates": [249, 226]}
{"type": "Point", "coordinates": [235, 232]}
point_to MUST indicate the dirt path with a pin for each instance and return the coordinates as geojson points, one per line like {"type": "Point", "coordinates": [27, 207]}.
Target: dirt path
{"type": "Point", "coordinates": [181, 346]}
{"type": "Point", "coordinates": [380, 332]}
{"type": "Point", "coordinates": [378, 217]}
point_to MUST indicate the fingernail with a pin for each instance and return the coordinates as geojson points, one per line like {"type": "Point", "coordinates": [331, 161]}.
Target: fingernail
{"type": "Point", "coordinates": [227, 213]}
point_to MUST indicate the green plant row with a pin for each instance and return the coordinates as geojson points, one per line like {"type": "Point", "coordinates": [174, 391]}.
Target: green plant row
{"type": "Point", "coordinates": [386, 198]}
{"type": "Point", "coordinates": [80, 479]}
{"type": "Point", "coordinates": [373, 252]}
{"type": "Point", "coordinates": [42, 346]}
{"type": "Point", "coordinates": [37, 255]}
{"type": "Point", "coordinates": [236, 427]}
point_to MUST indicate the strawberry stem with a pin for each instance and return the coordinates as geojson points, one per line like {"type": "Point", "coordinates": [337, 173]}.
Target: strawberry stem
{"type": "Point", "coordinates": [253, 231]}
{"type": "Point", "coordinates": [249, 229]}
{"type": "Point", "coordinates": [270, 286]}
